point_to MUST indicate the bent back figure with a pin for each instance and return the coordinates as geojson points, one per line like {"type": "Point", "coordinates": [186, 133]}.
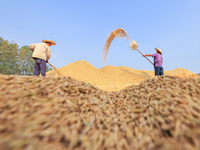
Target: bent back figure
{"type": "Point", "coordinates": [41, 55]}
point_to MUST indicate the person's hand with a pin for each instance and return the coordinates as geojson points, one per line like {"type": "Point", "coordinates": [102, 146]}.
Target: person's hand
{"type": "Point", "coordinates": [143, 55]}
{"type": "Point", "coordinates": [47, 61]}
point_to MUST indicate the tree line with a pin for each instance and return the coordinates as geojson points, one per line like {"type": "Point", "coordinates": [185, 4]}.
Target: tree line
{"type": "Point", "coordinates": [15, 60]}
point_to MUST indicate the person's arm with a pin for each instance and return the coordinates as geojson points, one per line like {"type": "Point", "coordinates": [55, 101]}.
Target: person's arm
{"type": "Point", "coordinates": [32, 47]}
{"type": "Point", "coordinates": [48, 55]}
{"type": "Point", "coordinates": [147, 55]}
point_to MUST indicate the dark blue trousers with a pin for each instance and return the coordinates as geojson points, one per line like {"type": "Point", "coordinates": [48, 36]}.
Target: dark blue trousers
{"type": "Point", "coordinates": [158, 71]}
{"type": "Point", "coordinates": [40, 67]}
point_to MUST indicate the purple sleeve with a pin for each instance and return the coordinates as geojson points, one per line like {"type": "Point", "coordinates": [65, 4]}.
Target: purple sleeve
{"type": "Point", "coordinates": [153, 55]}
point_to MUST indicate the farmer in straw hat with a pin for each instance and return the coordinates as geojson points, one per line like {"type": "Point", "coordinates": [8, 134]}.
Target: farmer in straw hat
{"type": "Point", "coordinates": [158, 61]}
{"type": "Point", "coordinates": [41, 55]}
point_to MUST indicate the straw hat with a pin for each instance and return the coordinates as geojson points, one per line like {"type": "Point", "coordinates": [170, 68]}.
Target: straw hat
{"type": "Point", "coordinates": [52, 42]}
{"type": "Point", "coordinates": [158, 50]}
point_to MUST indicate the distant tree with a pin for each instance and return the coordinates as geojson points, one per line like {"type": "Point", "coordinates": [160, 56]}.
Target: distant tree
{"type": "Point", "coordinates": [48, 68]}
{"type": "Point", "coordinates": [25, 62]}
{"type": "Point", "coordinates": [8, 57]}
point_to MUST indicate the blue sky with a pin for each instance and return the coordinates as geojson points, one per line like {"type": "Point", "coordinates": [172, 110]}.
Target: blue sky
{"type": "Point", "coordinates": [80, 29]}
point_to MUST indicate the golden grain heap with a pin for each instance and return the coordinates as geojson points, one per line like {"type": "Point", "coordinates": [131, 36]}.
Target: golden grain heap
{"type": "Point", "coordinates": [63, 113]}
{"type": "Point", "coordinates": [110, 78]}
{"type": "Point", "coordinates": [120, 33]}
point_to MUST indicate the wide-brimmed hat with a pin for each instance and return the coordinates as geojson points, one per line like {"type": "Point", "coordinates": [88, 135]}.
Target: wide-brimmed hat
{"type": "Point", "coordinates": [158, 50]}
{"type": "Point", "coordinates": [52, 42]}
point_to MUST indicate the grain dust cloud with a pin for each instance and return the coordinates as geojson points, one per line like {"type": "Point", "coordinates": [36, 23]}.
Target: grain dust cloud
{"type": "Point", "coordinates": [120, 33]}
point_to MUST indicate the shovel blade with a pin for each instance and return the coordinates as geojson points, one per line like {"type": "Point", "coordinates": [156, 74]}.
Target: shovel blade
{"type": "Point", "coordinates": [133, 45]}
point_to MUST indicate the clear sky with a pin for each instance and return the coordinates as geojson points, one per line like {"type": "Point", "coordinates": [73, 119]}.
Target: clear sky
{"type": "Point", "coordinates": [80, 29]}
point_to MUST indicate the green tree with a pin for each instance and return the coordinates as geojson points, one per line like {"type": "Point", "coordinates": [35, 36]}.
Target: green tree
{"type": "Point", "coordinates": [8, 57]}
{"type": "Point", "coordinates": [25, 62]}
{"type": "Point", "coordinates": [48, 68]}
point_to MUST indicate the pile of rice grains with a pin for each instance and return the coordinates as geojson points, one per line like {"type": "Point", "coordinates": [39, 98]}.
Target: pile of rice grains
{"type": "Point", "coordinates": [51, 113]}
{"type": "Point", "coordinates": [111, 78]}
{"type": "Point", "coordinates": [95, 109]}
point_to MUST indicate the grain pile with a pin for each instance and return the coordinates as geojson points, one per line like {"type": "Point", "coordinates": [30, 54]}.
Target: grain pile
{"type": "Point", "coordinates": [63, 113]}
{"type": "Point", "coordinates": [110, 78]}
{"type": "Point", "coordinates": [120, 33]}
{"type": "Point", "coordinates": [178, 72]}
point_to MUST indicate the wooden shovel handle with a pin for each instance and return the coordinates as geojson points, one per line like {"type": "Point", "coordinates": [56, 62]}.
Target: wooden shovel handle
{"type": "Point", "coordinates": [50, 64]}
{"type": "Point", "coordinates": [57, 71]}
{"type": "Point", "coordinates": [145, 57]}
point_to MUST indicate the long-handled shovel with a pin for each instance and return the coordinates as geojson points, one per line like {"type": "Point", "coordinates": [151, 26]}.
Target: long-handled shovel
{"type": "Point", "coordinates": [133, 45]}
{"type": "Point", "coordinates": [57, 71]}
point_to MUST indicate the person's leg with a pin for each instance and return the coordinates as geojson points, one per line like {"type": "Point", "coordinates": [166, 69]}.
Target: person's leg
{"type": "Point", "coordinates": [36, 68]}
{"type": "Point", "coordinates": [161, 71]}
{"type": "Point", "coordinates": [43, 67]}
{"type": "Point", "coordinates": [156, 71]}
